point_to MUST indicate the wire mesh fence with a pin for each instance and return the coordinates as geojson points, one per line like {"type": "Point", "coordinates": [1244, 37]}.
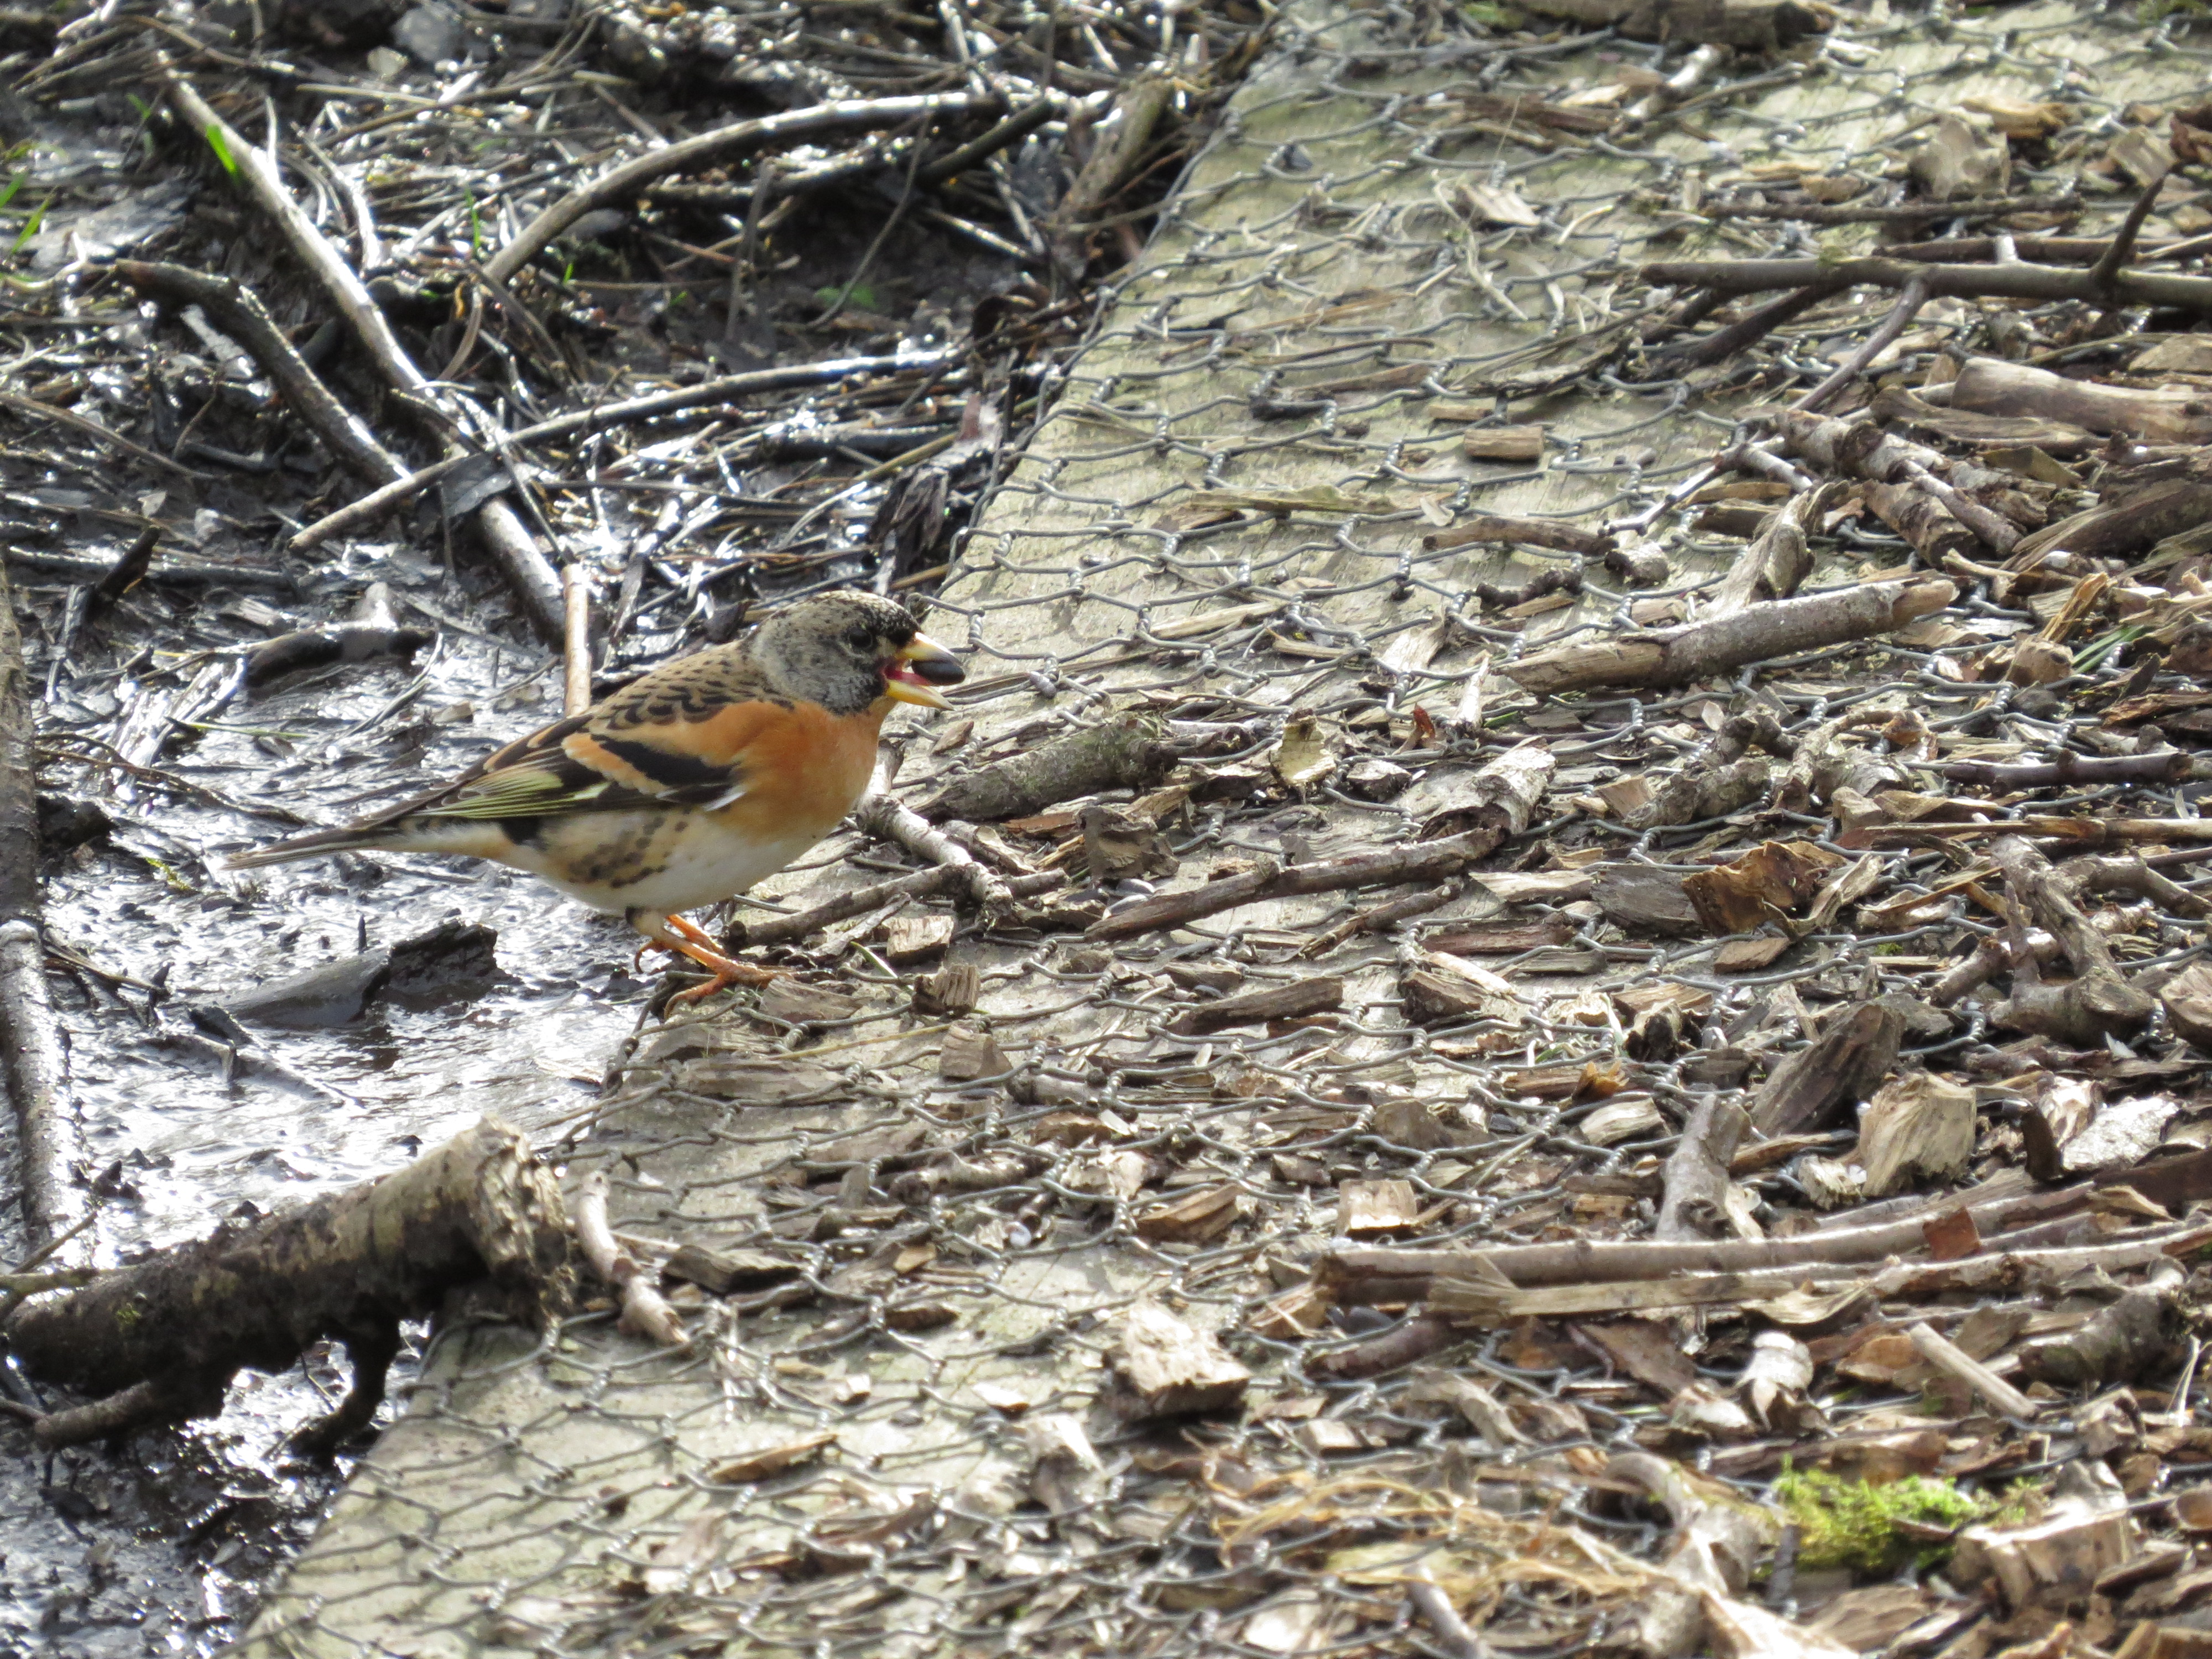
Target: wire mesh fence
{"type": "Point", "coordinates": [909, 1236]}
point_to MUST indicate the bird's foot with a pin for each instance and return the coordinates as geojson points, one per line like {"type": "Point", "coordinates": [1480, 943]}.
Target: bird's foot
{"type": "Point", "coordinates": [701, 946]}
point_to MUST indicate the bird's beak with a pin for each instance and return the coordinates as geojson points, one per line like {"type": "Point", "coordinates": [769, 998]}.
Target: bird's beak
{"type": "Point", "coordinates": [917, 668]}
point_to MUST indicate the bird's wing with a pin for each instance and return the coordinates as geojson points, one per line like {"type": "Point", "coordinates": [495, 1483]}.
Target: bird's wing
{"type": "Point", "coordinates": [577, 765]}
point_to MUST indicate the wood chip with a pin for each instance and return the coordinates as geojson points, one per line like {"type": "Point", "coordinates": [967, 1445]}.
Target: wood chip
{"type": "Point", "coordinates": [721, 1272]}
{"type": "Point", "coordinates": [801, 1004]}
{"type": "Point", "coordinates": [1916, 1128]}
{"type": "Point", "coordinates": [1504, 443]}
{"type": "Point", "coordinates": [1171, 1367]}
{"type": "Point", "coordinates": [1376, 1207]}
{"type": "Point", "coordinates": [970, 1052]}
{"type": "Point", "coordinates": [911, 939]}
{"type": "Point", "coordinates": [1749, 955]}
{"type": "Point", "coordinates": [770, 1461]}
{"type": "Point", "coordinates": [1296, 999]}
{"type": "Point", "coordinates": [1196, 1218]}
{"type": "Point", "coordinates": [1010, 1402]}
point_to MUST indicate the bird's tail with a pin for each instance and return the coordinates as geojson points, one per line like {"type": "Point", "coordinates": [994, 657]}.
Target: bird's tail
{"type": "Point", "coordinates": [313, 845]}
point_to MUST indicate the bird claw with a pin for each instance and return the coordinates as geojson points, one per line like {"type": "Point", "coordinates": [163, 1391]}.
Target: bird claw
{"type": "Point", "coordinates": [745, 975]}
{"type": "Point", "coordinates": [699, 945]}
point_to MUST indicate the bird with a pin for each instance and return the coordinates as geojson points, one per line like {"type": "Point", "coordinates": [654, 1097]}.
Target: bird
{"type": "Point", "coordinates": [688, 784]}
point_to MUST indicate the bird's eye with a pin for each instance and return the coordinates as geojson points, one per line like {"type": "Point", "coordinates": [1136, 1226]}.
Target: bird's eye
{"type": "Point", "coordinates": [859, 639]}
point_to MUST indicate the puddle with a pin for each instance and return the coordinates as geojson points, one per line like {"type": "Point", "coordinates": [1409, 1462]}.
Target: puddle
{"type": "Point", "coordinates": [161, 1548]}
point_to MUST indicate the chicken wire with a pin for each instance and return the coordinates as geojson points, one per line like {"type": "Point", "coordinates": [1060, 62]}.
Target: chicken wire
{"type": "Point", "coordinates": [898, 1432]}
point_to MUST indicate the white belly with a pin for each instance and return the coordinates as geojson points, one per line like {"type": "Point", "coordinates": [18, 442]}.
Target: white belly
{"type": "Point", "coordinates": [686, 862]}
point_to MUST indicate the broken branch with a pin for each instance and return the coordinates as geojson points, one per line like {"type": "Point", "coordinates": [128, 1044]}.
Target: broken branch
{"type": "Point", "coordinates": [2008, 281]}
{"type": "Point", "coordinates": [1505, 795]}
{"type": "Point", "coordinates": [1694, 651]}
{"type": "Point", "coordinates": [644, 1311]}
{"type": "Point", "coordinates": [161, 1339]}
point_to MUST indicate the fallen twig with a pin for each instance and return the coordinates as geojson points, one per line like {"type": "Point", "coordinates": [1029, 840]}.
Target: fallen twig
{"type": "Point", "coordinates": [1991, 386]}
{"type": "Point", "coordinates": [1140, 104]}
{"type": "Point", "coordinates": [1815, 213]}
{"type": "Point", "coordinates": [1747, 330]}
{"type": "Point", "coordinates": [1998, 282]}
{"type": "Point", "coordinates": [1693, 651]}
{"type": "Point", "coordinates": [1915, 295]}
{"type": "Point", "coordinates": [885, 818]}
{"type": "Point", "coordinates": [532, 580]}
{"type": "Point", "coordinates": [34, 409]}
{"type": "Point", "coordinates": [31, 1055]}
{"type": "Point", "coordinates": [1696, 1176]}
{"type": "Point", "coordinates": [603, 417]}
{"type": "Point", "coordinates": [237, 308]}
{"type": "Point", "coordinates": [722, 144]}
{"type": "Point", "coordinates": [2080, 833]}
{"type": "Point", "coordinates": [1381, 917]}
{"type": "Point", "coordinates": [1583, 1260]}
{"type": "Point", "coordinates": [1515, 782]}
{"type": "Point", "coordinates": [2169, 767]}
{"type": "Point", "coordinates": [644, 1311]}
{"type": "Point", "coordinates": [1856, 447]}
{"type": "Point", "coordinates": [1528, 532]}
{"type": "Point", "coordinates": [1772, 567]}
{"type": "Point", "coordinates": [2096, 1003]}
{"type": "Point", "coordinates": [576, 638]}
{"type": "Point", "coordinates": [1126, 753]}
{"type": "Point", "coordinates": [1946, 1357]}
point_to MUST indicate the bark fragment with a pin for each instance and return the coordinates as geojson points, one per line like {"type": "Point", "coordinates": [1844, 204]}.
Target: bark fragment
{"type": "Point", "coordinates": [1126, 753]}
{"type": "Point", "coordinates": [1846, 1062]}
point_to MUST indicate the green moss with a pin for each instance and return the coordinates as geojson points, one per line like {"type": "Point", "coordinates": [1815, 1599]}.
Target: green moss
{"type": "Point", "coordinates": [1848, 1524]}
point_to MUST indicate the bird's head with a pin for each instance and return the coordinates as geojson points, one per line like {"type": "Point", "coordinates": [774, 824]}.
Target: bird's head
{"type": "Point", "coordinates": [846, 650]}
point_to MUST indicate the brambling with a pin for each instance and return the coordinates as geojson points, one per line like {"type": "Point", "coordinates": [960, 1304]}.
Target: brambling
{"type": "Point", "coordinates": [690, 784]}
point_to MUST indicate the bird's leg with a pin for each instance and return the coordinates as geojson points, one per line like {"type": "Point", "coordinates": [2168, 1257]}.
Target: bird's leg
{"type": "Point", "coordinates": [691, 930]}
{"type": "Point", "coordinates": [674, 933]}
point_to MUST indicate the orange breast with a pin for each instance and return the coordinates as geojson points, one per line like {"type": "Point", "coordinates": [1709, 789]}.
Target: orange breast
{"type": "Point", "coordinates": [803, 766]}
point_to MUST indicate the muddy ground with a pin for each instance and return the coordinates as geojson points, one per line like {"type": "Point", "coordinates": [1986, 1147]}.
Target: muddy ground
{"type": "Point", "coordinates": [190, 1111]}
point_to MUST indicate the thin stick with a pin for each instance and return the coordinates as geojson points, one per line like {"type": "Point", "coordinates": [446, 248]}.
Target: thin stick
{"type": "Point", "coordinates": [604, 417]}
{"type": "Point", "coordinates": [884, 817]}
{"type": "Point", "coordinates": [1900, 316]}
{"type": "Point", "coordinates": [2020, 282]}
{"type": "Point", "coordinates": [644, 1310]}
{"type": "Point", "coordinates": [2102, 274]}
{"type": "Point", "coordinates": [255, 168]}
{"type": "Point", "coordinates": [576, 638]}
{"type": "Point", "coordinates": [2046, 250]}
{"type": "Point", "coordinates": [532, 579]}
{"type": "Point", "coordinates": [91, 429]}
{"type": "Point", "coordinates": [1748, 330]}
{"type": "Point", "coordinates": [1381, 916]}
{"type": "Point", "coordinates": [722, 144]}
{"type": "Point", "coordinates": [1806, 213]}
{"type": "Point", "coordinates": [54, 1206]}
{"type": "Point", "coordinates": [883, 235]}
{"type": "Point", "coordinates": [1946, 1357]}
{"type": "Point", "coordinates": [1011, 130]}
{"type": "Point", "coordinates": [235, 305]}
